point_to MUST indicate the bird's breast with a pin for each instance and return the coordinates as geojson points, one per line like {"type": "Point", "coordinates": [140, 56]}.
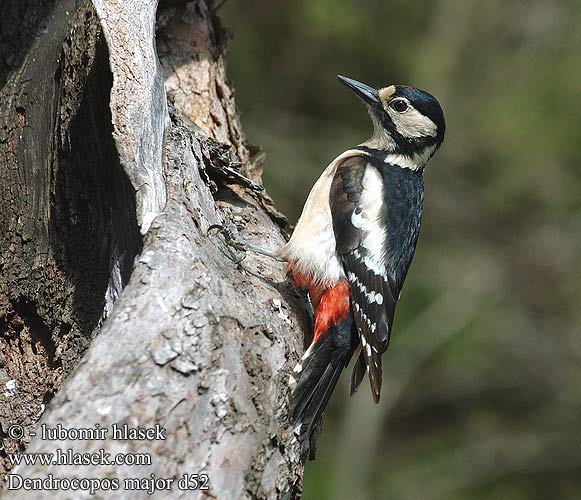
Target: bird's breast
{"type": "Point", "coordinates": [312, 247]}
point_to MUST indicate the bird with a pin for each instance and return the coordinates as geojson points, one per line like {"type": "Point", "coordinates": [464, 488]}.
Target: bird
{"type": "Point", "coordinates": [354, 242]}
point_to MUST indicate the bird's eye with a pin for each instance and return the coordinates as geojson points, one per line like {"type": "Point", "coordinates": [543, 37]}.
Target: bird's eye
{"type": "Point", "coordinates": [399, 105]}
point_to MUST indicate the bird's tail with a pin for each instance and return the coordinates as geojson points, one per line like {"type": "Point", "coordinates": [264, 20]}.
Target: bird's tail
{"type": "Point", "coordinates": [315, 376]}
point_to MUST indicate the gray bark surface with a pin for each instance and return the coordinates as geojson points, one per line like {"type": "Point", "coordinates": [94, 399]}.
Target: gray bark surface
{"type": "Point", "coordinates": [193, 342]}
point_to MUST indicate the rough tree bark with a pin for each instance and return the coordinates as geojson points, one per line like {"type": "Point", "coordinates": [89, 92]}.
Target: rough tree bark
{"type": "Point", "coordinates": [113, 295]}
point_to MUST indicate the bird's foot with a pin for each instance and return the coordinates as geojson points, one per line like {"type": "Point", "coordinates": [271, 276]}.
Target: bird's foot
{"type": "Point", "coordinates": [234, 241]}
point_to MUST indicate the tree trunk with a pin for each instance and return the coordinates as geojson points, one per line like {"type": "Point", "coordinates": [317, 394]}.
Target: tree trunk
{"type": "Point", "coordinates": [113, 295]}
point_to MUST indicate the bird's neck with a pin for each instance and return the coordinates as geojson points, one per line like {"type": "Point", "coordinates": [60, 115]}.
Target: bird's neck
{"type": "Point", "coordinates": [415, 162]}
{"type": "Point", "coordinates": [383, 146]}
{"type": "Point", "coordinates": [381, 140]}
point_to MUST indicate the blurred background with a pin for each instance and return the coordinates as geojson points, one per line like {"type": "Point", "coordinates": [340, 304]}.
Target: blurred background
{"type": "Point", "coordinates": [482, 381]}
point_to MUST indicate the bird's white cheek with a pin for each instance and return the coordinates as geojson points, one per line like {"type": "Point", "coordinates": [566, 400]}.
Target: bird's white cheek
{"type": "Point", "coordinates": [413, 124]}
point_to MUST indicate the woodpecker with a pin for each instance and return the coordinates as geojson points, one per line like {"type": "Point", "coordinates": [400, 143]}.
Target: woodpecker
{"type": "Point", "coordinates": [354, 242]}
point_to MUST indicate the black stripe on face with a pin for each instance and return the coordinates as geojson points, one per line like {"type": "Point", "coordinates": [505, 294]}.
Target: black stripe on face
{"type": "Point", "coordinates": [408, 146]}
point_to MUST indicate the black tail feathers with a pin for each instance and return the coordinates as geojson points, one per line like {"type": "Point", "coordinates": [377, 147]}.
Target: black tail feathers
{"type": "Point", "coordinates": [359, 370]}
{"type": "Point", "coordinates": [316, 375]}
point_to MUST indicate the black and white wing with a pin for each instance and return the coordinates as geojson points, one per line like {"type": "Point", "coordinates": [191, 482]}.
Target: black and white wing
{"type": "Point", "coordinates": [375, 216]}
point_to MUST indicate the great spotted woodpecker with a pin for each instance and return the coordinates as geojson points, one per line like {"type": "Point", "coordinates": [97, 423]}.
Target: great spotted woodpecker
{"type": "Point", "coordinates": [354, 242]}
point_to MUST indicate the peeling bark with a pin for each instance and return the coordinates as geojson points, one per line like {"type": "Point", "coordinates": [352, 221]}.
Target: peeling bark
{"type": "Point", "coordinates": [193, 341]}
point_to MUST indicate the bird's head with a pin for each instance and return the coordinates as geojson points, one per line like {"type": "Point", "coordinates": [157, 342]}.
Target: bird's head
{"type": "Point", "coordinates": [407, 122]}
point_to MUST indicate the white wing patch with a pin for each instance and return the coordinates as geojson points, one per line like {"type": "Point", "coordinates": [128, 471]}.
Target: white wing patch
{"type": "Point", "coordinates": [371, 207]}
{"type": "Point", "coordinates": [357, 219]}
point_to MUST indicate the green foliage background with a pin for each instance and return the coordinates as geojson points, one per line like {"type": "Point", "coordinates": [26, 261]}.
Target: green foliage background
{"type": "Point", "coordinates": [483, 376]}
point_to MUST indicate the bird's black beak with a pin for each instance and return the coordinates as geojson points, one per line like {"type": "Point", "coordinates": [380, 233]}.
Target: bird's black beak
{"type": "Point", "coordinates": [367, 94]}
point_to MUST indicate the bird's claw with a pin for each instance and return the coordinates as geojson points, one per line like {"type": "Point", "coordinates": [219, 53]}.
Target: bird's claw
{"type": "Point", "coordinates": [231, 235]}
{"type": "Point", "coordinates": [234, 241]}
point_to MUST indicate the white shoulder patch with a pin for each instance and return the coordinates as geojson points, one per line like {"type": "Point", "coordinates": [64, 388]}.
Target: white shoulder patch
{"type": "Point", "coordinates": [357, 219]}
{"type": "Point", "coordinates": [371, 207]}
